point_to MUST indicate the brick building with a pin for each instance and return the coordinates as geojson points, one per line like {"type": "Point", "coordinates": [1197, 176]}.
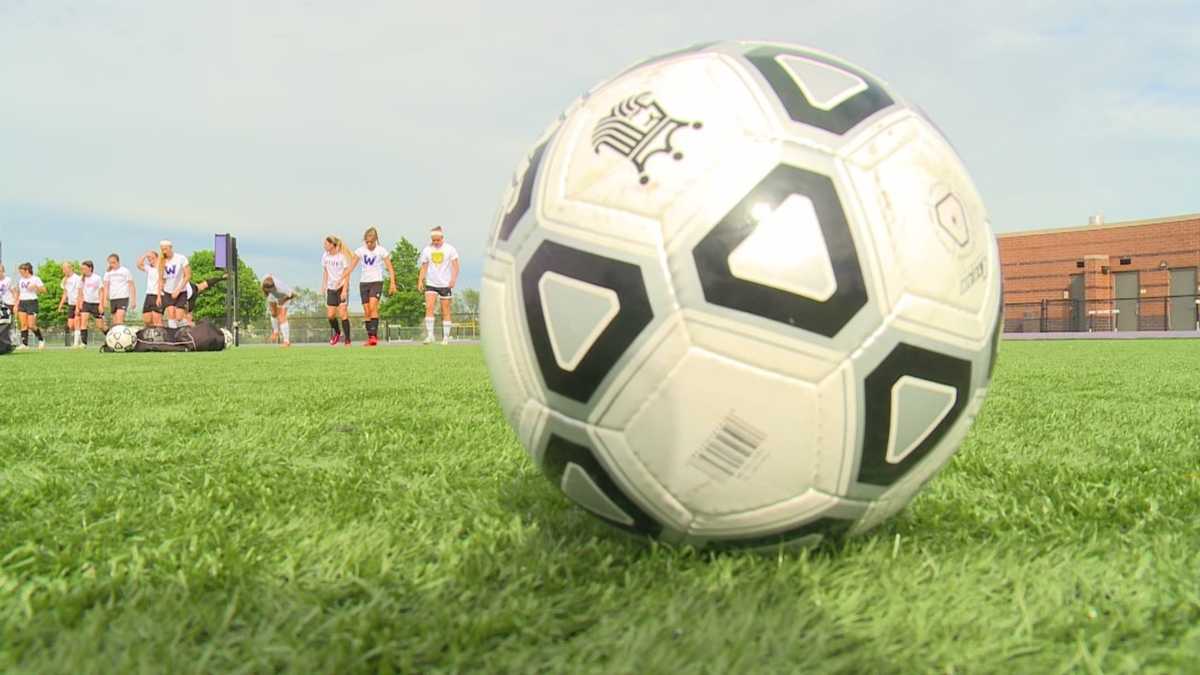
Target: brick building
{"type": "Point", "coordinates": [1136, 275]}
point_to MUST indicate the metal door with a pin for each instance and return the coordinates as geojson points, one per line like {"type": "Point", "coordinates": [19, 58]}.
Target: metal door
{"type": "Point", "coordinates": [1127, 288]}
{"type": "Point", "coordinates": [1183, 299]}
{"type": "Point", "coordinates": [1078, 308]}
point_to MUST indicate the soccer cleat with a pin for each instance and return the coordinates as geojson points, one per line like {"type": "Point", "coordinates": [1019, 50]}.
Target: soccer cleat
{"type": "Point", "coordinates": [22, 348]}
{"type": "Point", "coordinates": [428, 340]}
{"type": "Point", "coordinates": [41, 346]}
{"type": "Point", "coordinates": [334, 339]}
{"type": "Point", "coordinates": [346, 341]}
{"type": "Point", "coordinates": [445, 340]}
{"type": "Point", "coordinates": [372, 341]}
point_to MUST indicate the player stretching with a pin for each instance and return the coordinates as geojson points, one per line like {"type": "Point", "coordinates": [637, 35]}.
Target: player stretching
{"type": "Point", "coordinates": [117, 289]}
{"type": "Point", "coordinates": [174, 276]}
{"type": "Point", "coordinates": [152, 305]}
{"type": "Point", "coordinates": [335, 279]}
{"type": "Point", "coordinates": [193, 294]}
{"type": "Point", "coordinates": [439, 273]}
{"type": "Point", "coordinates": [71, 284]}
{"type": "Point", "coordinates": [278, 296]}
{"type": "Point", "coordinates": [28, 289]}
{"type": "Point", "coordinates": [89, 302]}
{"type": "Point", "coordinates": [375, 258]}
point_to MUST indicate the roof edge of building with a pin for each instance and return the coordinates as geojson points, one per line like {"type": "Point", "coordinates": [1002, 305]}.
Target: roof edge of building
{"type": "Point", "coordinates": [1106, 226]}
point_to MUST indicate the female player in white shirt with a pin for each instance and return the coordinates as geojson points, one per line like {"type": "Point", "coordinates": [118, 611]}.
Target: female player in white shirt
{"type": "Point", "coordinates": [70, 284]}
{"type": "Point", "coordinates": [374, 257]}
{"type": "Point", "coordinates": [174, 276]}
{"type": "Point", "coordinates": [89, 303]}
{"type": "Point", "coordinates": [152, 305]}
{"type": "Point", "coordinates": [439, 273]}
{"type": "Point", "coordinates": [336, 264]}
{"type": "Point", "coordinates": [278, 296]}
{"type": "Point", "coordinates": [117, 289]}
{"type": "Point", "coordinates": [29, 287]}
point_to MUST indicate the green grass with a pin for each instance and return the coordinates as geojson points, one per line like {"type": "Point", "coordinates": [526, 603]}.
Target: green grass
{"type": "Point", "coordinates": [369, 511]}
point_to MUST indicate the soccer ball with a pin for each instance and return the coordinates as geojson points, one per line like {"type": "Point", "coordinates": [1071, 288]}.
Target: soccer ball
{"type": "Point", "coordinates": [121, 338]}
{"type": "Point", "coordinates": [228, 338]}
{"type": "Point", "coordinates": [741, 295]}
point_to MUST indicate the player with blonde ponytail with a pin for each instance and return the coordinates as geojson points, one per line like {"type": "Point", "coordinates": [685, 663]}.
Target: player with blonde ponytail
{"type": "Point", "coordinates": [337, 261]}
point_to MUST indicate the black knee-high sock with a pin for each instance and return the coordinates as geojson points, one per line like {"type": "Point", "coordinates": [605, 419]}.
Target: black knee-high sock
{"type": "Point", "coordinates": [25, 337]}
{"type": "Point", "coordinates": [333, 326]}
{"type": "Point", "coordinates": [213, 281]}
{"type": "Point", "coordinates": [369, 324]}
{"type": "Point", "coordinates": [346, 328]}
{"type": "Point", "coordinates": [38, 333]}
{"type": "Point", "coordinates": [375, 327]}
{"type": "Point", "coordinates": [84, 335]}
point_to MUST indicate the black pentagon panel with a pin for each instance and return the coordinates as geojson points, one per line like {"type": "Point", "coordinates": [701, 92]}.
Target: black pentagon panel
{"type": "Point", "coordinates": [524, 193]}
{"type": "Point", "coordinates": [919, 363]}
{"type": "Point", "coordinates": [720, 287]}
{"type": "Point", "coordinates": [838, 120]}
{"type": "Point", "coordinates": [828, 528]}
{"type": "Point", "coordinates": [560, 452]}
{"type": "Point", "coordinates": [633, 315]}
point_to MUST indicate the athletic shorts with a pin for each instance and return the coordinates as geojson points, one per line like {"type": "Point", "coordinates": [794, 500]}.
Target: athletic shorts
{"type": "Point", "coordinates": [440, 290]}
{"type": "Point", "coordinates": [150, 305]}
{"type": "Point", "coordinates": [70, 311]}
{"type": "Point", "coordinates": [333, 298]}
{"type": "Point", "coordinates": [28, 307]}
{"type": "Point", "coordinates": [92, 308]}
{"type": "Point", "coordinates": [370, 289]}
{"type": "Point", "coordinates": [118, 304]}
{"type": "Point", "coordinates": [181, 301]}
{"type": "Point", "coordinates": [191, 302]}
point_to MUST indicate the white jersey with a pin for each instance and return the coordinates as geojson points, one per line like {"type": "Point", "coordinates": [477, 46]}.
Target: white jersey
{"type": "Point", "coordinates": [372, 262]}
{"type": "Point", "coordinates": [117, 283]}
{"type": "Point", "coordinates": [441, 269]}
{"type": "Point", "coordinates": [281, 292]}
{"type": "Point", "coordinates": [173, 269]}
{"type": "Point", "coordinates": [28, 288]}
{"type": "Point", "coordinates": [6, 288]}
{"type": "Point", "coordinates": [335, 266]}
{"type": "Point", "coordinates": [151, 278]}
{"type": "Point", "coordinates": [91, 288]}
{"type": "Point", "coordinates": [70, 287]}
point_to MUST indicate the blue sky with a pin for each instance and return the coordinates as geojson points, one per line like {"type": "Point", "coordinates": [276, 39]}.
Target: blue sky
{"type": "Point", "coordinates": [123, 122]}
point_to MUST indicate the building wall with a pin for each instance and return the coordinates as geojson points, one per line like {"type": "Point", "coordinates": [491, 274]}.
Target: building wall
{"type": "Point", "coordinates": [1038, 266]}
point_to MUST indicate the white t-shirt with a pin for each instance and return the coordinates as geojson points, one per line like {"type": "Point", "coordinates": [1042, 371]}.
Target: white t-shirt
{"type": "Point", "coordinates": [91, 288]}
{"type": "Point", "coordinates": [173, 269]}
{"type": "Point", "coordinates": [6, 290]}
{"type": "Point", "coordinates": [372, 262]}
{"type": "Point", "coordinates": [440, 269]}
{"type": "Point", "coordinates": [29, 287]}
{"type": "Point", "coordinates": [70, 287]}
{"type": "Point", "coordinates": [281, 291]}
{"type": "Point", "coordinates": [117, 283]}
{"type": "Point", "coordinates": [335, 267]}
{"type": "Point", "coordinates": [151, 278]}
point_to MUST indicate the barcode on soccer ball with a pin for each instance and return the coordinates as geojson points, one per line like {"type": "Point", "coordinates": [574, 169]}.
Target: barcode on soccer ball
{"type": "Point", "coordinates": [729, 450]}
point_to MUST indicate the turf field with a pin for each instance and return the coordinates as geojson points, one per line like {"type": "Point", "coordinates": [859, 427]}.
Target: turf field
{"type": "Point", "coordinates": [337, 510]}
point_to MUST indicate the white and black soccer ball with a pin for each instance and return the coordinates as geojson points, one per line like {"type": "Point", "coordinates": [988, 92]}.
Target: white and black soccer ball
{"type": "Point", "coordinates": [228, 338]}
{"type": "Point", "coordinates": [741, 295]}
{"type": "Point", "coordinates": [121, 338]}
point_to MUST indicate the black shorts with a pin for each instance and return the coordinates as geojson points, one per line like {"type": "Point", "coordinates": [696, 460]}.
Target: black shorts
{"type": "Point", "coordinates": [191, 303]}
{"type": "Point", "coordinates": [440, 290]}
{"type": "Point", "coordinates": [118, 305]}
{"type": "Point", "coordinates": [370, 289]}
{"type": "Point", "coordinates": [180, 301]}
{"type": "Point", "coordinates": [93, 308]}
{"type": "Point", "coordinates": [150, 305]}
{"type": "Point", "coordinates": [70, 311]}
{"type": "Point", "coordinates": [28, 307]}
{"type": "Point", "coordinates": [333, 298]}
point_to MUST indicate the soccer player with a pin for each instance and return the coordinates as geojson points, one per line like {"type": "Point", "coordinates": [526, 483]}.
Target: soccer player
{"type": "Point", "coordinates": [71, 284]}
{"type": "Point", "coordinates": [152, 305]}
{"type": "Point", "coordinates": [375, 258]}
{"type": "Point", "coordinates": [278, 296]}
{"type": "Point", "coordinates": [117, 289]}
{"type": "Point", "coordinates": [194, 291]}
{"type": "Point", "coordinates": [439, 273]}
{"type": "Point", "coordinates": [8, 292]}
{"type": "Point", "coordinates": [174, 276]}
{"type": "Point", "coordinates": [89, 302]}
{"type": "Point", "coordinates": [29, 287]}
{"type": "Point", "coordinates": [335, 279]}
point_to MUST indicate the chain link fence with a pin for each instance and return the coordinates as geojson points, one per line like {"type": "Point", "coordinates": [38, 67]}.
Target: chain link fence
{"type": "Point", "coordinates": [1156, 313]}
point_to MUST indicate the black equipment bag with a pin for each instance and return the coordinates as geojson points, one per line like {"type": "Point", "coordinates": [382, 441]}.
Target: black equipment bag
{"type": "Point", "coordinates": [6, 321]}
{"type": "Point", "coordinates": [203, 337]}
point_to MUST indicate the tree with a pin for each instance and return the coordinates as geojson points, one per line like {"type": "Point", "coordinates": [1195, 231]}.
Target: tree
{"type": "Point", "coordinates": [50, 272]}
{"type": "Point", "coordinates": [306, 303]}
{"type": "Point", "coordinates": [211, 304]}
{"type": "Point", "coordinates": [470, 301]}
{"type": "Point", "coordinates": [407, 305]}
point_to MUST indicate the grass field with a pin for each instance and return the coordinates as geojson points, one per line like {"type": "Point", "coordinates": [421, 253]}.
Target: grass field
{"type": "Point", "coordinates": [324, 510]}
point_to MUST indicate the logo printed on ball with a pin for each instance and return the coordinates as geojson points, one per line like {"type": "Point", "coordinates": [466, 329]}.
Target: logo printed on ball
{"type": "Point", "coordinates": [638, 128]}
